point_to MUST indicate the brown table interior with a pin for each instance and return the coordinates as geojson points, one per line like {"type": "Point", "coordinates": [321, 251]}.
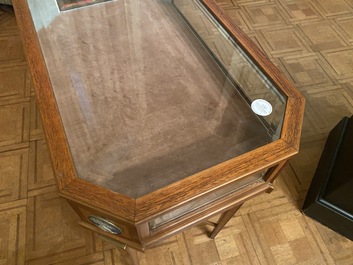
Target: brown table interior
{"type": "Point", "coordinates": [142, 102]}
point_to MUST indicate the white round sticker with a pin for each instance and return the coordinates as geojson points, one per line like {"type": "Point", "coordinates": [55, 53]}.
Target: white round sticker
{"type": "Point", "coordinates": [261, 107]}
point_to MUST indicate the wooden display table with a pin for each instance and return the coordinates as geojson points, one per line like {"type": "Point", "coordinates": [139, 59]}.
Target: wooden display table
{"type": "Point", "coordinates": [158, 114]}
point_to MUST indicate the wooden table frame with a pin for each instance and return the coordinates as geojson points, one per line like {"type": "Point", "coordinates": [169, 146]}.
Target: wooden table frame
{"type": "Point", "coordinates": [137, 212]}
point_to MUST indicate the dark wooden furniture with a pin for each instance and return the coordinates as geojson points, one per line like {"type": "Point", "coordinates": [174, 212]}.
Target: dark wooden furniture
{"type": "Point", "coordinates": [329, 198]}
{"type": "Point", "coordinates": [158, 115]}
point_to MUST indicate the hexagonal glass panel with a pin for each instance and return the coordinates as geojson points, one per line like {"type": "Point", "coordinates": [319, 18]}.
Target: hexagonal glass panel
{"type": "Point", "coordinates": [151, 92]}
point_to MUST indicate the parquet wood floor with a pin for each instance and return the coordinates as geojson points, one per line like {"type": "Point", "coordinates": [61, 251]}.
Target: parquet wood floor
{"type": "Point", "coordinates": [311, 41]}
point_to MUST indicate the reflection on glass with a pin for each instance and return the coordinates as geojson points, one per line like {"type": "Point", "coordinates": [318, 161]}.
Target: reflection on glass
{"type": "Point", "coordinates": [241, 70]}
{"type": "Point", "coordinates": [105, 225]}
{"type": "Point", "coordinates": [144, 103]}
{"type": "Point", "coordinates": [71, 4]}
{"type": "Point", "coordinates": [43, 19]}
{"type": "Point", "coordinates": [203, 200]}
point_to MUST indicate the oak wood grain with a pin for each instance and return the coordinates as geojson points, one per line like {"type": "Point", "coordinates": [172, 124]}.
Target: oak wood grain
{"type": "Point", "coordinates": [54, 131]}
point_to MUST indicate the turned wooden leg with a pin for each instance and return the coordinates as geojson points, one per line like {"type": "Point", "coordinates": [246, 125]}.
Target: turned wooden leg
{"type": "Point", "coordinates": [223, 220]}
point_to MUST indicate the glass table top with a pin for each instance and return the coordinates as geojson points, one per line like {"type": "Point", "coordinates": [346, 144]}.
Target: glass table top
{"type": "Point", "coordinates": [72, 4]}
{"type": "Point", "coordinates": [151, 92]}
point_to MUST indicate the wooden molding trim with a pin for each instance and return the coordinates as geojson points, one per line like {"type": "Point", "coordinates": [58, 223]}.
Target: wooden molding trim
{"type": "Point", "coordinates": [54, 131]}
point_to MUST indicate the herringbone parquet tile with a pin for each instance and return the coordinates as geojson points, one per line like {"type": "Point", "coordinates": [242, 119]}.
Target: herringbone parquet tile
{"type": "Point", "coordinates": [311, 41]}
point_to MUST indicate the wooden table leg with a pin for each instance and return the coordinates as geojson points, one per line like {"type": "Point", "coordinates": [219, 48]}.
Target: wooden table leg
{"type": "Point", "coordinates": [123, 249]}
{"type": "Point", "coordinates": [223, 220]}
{"type": "Point", "coordinates": [133, 256]}
{"type": "Point", "coordinates": [130, 255]}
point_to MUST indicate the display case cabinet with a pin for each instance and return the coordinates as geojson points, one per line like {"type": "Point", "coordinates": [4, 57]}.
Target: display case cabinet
{"type": "Point", "coordinates": [158, 114]}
